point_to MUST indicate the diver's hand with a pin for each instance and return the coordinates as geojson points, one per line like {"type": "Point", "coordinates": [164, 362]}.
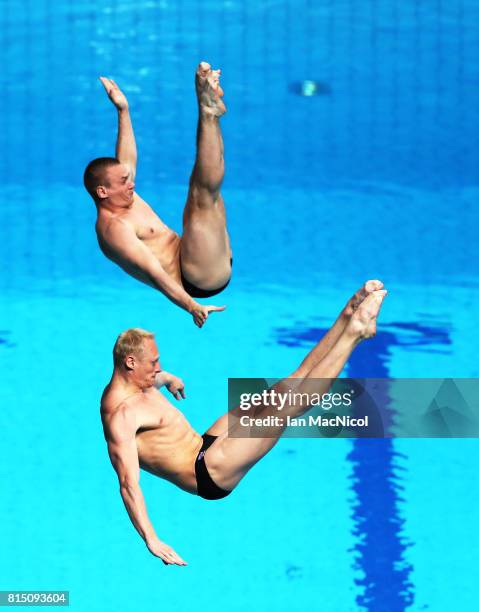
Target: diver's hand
{"type": "Point", "coordinates": [175, 386]}
{"type": "Point", "coordinates": [114, 93]}
{"type": "Point", "coordinates": [200, 313]}
{"type": "Point", "coordinates": [164, 552]}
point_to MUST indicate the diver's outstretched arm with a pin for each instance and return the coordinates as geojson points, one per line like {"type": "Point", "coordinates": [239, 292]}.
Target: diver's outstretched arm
{"type": "Point", "coordinates": [125, 143]}
{"type": "Point", "coordinates": [120, 432]}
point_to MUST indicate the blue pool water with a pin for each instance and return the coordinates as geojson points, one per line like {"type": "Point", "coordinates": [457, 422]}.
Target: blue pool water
{"type": "Point", "coordinates": [374, 177]}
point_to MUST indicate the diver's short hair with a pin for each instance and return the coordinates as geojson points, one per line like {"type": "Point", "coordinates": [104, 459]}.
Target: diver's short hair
{"type": "Point", "coordinates": [130, 342]}
{"type": "Point", "coordinates": [95, 174]}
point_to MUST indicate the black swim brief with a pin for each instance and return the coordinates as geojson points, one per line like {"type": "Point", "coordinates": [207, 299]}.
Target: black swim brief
{"type": "Point", "coordinates": [196, 292]}
{"type": "Point", "coordinates": [206, 487]}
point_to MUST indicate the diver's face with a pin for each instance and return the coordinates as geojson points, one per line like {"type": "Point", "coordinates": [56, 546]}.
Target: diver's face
{"type": "Point", "coordinates": [147, 365]}
{"type": "Point", "coordinates": [119, 188]}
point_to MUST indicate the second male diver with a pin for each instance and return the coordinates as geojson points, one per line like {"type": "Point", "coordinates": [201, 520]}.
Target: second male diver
{"type": "Point", "coordinates": [144, 430]}
{"type": "Point", "coordinates": [194, 265]}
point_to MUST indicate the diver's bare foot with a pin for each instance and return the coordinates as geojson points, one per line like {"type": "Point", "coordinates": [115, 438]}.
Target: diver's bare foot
{"type": "Point", "coordinates": [363, 321]}
{"type": "Point", "coordinates": [209, 91]}
{"type": "Point", "coordinates": [362, 293]}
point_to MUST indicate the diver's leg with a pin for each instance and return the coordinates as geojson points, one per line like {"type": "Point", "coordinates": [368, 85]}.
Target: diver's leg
{"type": "Point", "coordinates": [332, 335]}
{"type": "Point", "coordinates": [317, 353]}
{"type": "Point", "coordinates": [228, 459]}
{"type": "Point", "coordinates": [205, 245]}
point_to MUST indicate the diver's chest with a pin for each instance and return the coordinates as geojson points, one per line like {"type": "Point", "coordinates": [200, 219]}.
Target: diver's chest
{"type": "Point", "coordinates": [149, 229]}
{"type": "Point", "coordinates": [151, 415]}
{"type": "Point", "coordinates": [146, 223]}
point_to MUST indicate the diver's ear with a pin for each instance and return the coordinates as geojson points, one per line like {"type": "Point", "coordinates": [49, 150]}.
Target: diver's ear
{"type": "Point", "coordinates": [130, 362]}
{"type": "Point", "coordinates": [101, 192]}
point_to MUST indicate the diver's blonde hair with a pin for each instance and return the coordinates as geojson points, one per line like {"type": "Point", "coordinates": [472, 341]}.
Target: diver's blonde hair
{"type": "Point", "coordinates": [130, 342]}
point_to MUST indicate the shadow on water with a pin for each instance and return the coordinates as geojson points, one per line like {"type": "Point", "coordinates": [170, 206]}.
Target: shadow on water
{"type": "Point", "coordinates": [377, 472]}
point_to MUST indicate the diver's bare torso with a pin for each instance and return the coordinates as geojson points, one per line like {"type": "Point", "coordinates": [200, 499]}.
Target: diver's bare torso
{"type": "Point", "coordinates": [167, 444]}
{"type": "Point", "coordinates": [162, 241]}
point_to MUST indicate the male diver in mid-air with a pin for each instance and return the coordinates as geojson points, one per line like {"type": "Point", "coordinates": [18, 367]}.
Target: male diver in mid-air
{"type": "Point", "coordinates": [143, 429]}
{"type": "Point", "coordinates": [195, 265]}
